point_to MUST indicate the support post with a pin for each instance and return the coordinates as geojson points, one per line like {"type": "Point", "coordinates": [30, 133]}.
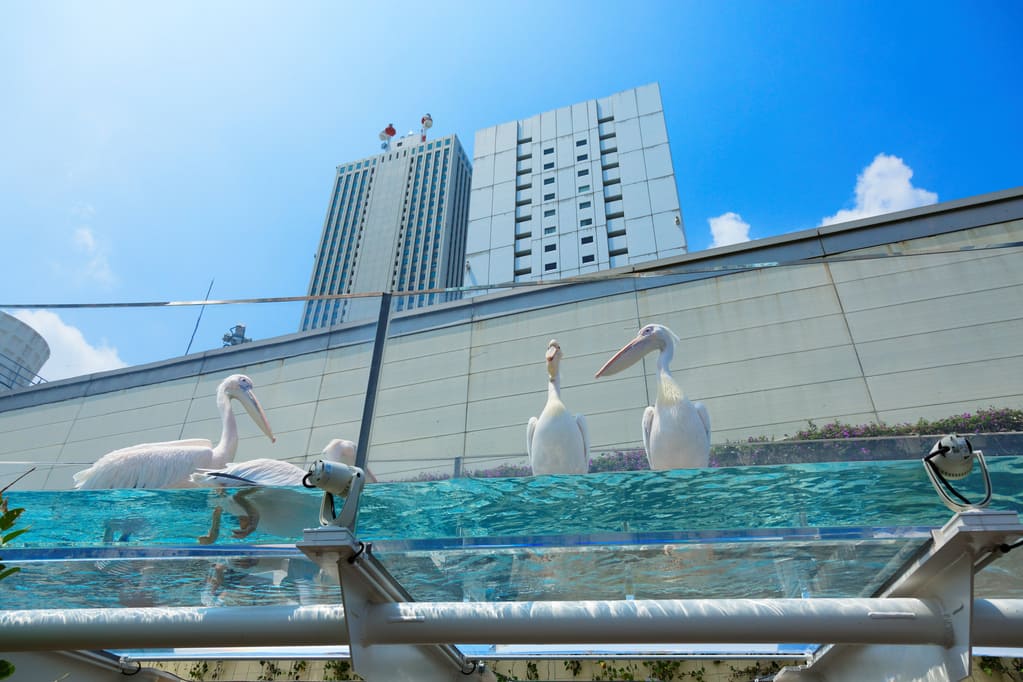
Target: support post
{"type": "Point", "coordinates": [942, 575]}
{"type": "Point", "coordinates": [366, 584]}
{"type": "Point", "coordinates": [366, 427]}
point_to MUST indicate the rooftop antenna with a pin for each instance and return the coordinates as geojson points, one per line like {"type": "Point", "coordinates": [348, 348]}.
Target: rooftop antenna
{"type": "Point", "coordinates": [385, 136]}
{"type": "Point", "coordinates": [427, 122]}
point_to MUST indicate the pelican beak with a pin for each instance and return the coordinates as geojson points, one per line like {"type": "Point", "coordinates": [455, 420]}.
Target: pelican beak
{"type": "Point", "coordinates": [629, 355]}
{"type": "Point", "coordinates": [248, 399]}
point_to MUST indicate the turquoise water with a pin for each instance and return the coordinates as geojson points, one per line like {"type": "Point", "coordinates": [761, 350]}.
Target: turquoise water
{"type": "Point", "coordinates": [829, 529]}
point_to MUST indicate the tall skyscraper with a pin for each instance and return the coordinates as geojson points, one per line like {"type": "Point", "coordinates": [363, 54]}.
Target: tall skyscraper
{"type": "Point", "coordinates": [574, 190]}
{"type": "Point", "coordinates": [395, 222]}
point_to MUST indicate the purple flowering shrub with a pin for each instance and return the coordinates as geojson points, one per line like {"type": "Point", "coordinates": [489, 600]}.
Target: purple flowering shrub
{"type": "Point", "coordinates": [991, 420]}
{"type": "Point", "coordinates": [620, 460]}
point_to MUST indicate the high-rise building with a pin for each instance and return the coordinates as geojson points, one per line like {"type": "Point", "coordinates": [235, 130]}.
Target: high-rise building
{"type": "Point", "coordinates": [574, 190]}
{"type": "Point", "coordinates": [395, 222]}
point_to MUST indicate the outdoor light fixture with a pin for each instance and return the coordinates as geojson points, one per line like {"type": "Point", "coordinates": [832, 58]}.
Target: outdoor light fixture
{"type": "Point", "coordinates": [952, 458]}
{"type": "Point", "coordinates": [335, 478]}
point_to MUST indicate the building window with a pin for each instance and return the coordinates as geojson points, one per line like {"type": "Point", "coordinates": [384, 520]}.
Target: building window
{"type": "Point", "coordinates": [548, 181]}
{"type": "Point", "coordinates": [588, 239]}
{"type": "Point", "coordinates": [550, 247]}
{"type": "Point", "coordinates": [550, 266]}
{"type": "Point", "coordinates": [588, 259]}
{"type": "Point", "coordinates": [583, 172]}
{"type": "Point", "coordinates": [549, 150]}
{"type": "Point", "coordinates": [548, 213]}
{"type": "Point", "coordinates": [550, 230]}
{"type": "Point", "coordinates": [580, 143]}
{"type": "Point", "coordinates": [548, 197]}
{"type": "Point", "coordinates": [582, 157]}
{"type": "Point", "coordinates": [584, 204]}
{"type": "Point", "coordinates": [584, 188]}
{"type": "Point", "coordinates": [586, 222]}
{"type": "Point", "coordinates": [549, 165]}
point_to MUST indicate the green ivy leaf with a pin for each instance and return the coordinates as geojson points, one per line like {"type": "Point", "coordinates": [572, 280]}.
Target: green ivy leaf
{"type": "Point", "coordinates": [6, 669]}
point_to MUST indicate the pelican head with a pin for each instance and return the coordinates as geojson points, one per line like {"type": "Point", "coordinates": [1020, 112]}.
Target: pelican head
{"type": "Point", "coordinates": [554, 356]}
{"type": "Point", "coordinates": [340, 450]}
{"type": "Point", "coordinates": [239, 387]}
{"type": "Point", "coordinates": [651, 337]}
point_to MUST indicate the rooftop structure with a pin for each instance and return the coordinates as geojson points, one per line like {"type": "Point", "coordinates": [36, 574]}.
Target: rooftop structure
{"type": "Point", "coordinates": [23, 352]}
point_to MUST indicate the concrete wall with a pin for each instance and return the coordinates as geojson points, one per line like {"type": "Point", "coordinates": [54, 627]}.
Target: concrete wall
{"type": "Point", "coordinates": [909, 316]}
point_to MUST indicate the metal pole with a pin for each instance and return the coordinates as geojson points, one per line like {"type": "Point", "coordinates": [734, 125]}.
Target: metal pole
{"type": "Point", "coordinates": [886, 621]}
{"type": "Point", "coordinates": [366, 428]}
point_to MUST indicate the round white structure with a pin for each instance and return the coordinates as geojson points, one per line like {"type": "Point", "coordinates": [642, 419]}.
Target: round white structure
{"type": "Point", "coordinates": [23, 352]}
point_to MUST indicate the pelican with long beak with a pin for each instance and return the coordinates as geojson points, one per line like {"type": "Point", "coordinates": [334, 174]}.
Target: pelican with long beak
{"type": "Point", "coordinates": [169, 464]}
{"type": "Point", "coordinates": [676, 432]}
{"type": "Point", "coordinates": [557, 441]}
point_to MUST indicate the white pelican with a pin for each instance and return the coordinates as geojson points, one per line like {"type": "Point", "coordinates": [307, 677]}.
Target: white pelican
{"type": "Point", "coordinates": [557, 442]}
{"type": "Point", "coordinates": [170, 463]}
{"type": "Point", "coordinates": [286, 513]}
{"type": "Point", "coordinates": [676, 432]}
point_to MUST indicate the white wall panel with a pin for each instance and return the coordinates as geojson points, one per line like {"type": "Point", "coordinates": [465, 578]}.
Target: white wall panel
{"type": "Point", "coordinates": [564, 118]}
{"type": "Point", "coordinates": [484, 144]}
{"type": "Point", "coordinates": [640, 235]}
{"type": "Point", "coordinates": [481, 201]}
{"type": "Point", "coordinates": [664, 197]}
{"type": "Point", "coordinates": [483, 171]}
{"type": "Point", "coordinates": [636, 200]}
{"type": "Point", "coordinates": [504, 167]}
{"type": "Point", "coordinates": [624, 104]}
{"type": "Point", "coordinates": [504, 198]}
{"type": "Point", "coordinates": [627, 136]}
{"type": "Point", "coordinates": [632, 167]}
{"type": "Point", "coordinates": [658, 164]}
{"type": "Point", "coordinates": [477, 236]}
{"type": "Point", "coordinates": [507, 137]}
{"type": "Point", "coordinates": [648, 99]}
{"type": "Point", "coordinates": [652, 130]}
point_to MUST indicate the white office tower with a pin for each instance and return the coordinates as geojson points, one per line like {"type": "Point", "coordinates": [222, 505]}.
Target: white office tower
{"type": "Point", "coordinates": [575, 190]}
{"type": "Point", "coordinates": [395, 222]}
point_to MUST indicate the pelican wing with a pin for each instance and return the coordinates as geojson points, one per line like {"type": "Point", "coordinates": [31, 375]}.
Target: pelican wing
{"type": "Point", "coordinates": [159, 466]}
{"type": "Point", "coordinates": [701, 410]}
{"type": "Point", "coordinates": [163, 445]}
{"type": "Point", "coordinates": [580, 421]}
{"type": "Point", "coordinates": [253, 472]}
{"type": "Point", "coordinates": [530, 430]}
{"type": "Point", "coordinates": [648, 425]}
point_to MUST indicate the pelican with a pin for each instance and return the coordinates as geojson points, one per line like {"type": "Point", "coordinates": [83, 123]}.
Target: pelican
{"type": "Point", "coordinates": [557, 441]}
{"type": "Point", "coordinates": [676, 432]}
{"type": "Point", "coordinates": [170, 463]}
{"type": "Point", "coordinates": [286, 513]}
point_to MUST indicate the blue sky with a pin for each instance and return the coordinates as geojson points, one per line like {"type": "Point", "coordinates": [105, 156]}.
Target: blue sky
{"type": "Point", "coordinates": [147, 148]}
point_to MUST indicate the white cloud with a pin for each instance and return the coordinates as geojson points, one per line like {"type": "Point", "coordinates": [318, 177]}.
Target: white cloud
{"type": "Point", "coordinates": [728, 228]}
{"type": "Point", "coordinates": [883, 186]}
{"type": "Point", "coordinates": [70, 354]}
{"type": "Point", "coordinates": [94, 265]}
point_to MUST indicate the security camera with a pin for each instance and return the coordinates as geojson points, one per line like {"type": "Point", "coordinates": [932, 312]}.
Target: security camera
{"type": "Point", "coordinates": [331, 477]}
{"type": "Point", "coordinates": [952, 458]}
{"type": "Point", "coordinates": [336, 478]}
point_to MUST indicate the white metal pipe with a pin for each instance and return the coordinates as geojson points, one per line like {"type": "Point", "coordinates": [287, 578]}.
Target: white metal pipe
{"type": "Point", "coordinates": [998, 623]}
{"type": "Point", "coordinates": [704, 621]}
{"type": "Point", "coordinates": [142, 628]}
{"type": "Point", "coordinates": [696, 621]}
